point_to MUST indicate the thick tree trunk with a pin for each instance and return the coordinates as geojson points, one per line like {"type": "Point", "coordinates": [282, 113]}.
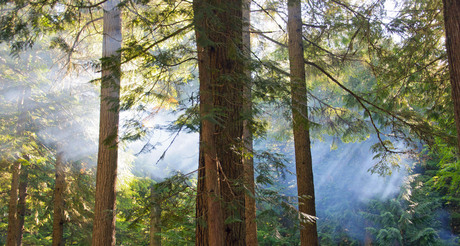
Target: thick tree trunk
{"type": "Point", "coordinates": [305, 188]}
{"type": "Point", "coordinates": [104, 212]}
{"type": "Point", "coordinates": [12, 235]}
{"type": "Point", "coordinates": [23, 177]}
{"type": "Point", "coordinates": [155, 217]}
{"type": "Point", "coordinates": [452, 26]}
{"type": "Point", "coordinates": [248, 161]}
{"type": "Point", "coordinates": [219, 43]}
{"type": "Point", "coordinates": [58, 214]}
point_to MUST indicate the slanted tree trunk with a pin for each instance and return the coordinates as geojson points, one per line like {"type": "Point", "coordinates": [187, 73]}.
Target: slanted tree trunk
{"type": "Point", "coordinates": [452, 27]}
{"type": "Point", "coordinates": [248, 161]}
{"type": "Point", "coordinates": [155, 217]}
{"type": "Point", "coordinates": [104, 211]}
{"type": "Point", "coordinates": [304, 170]}
{"type": "Point", "coordinates": [23, 182]}
{"type": "Point", "coordinates": [12, 235]}
{"type": "Point", "coordinates": [218, 27]}
{"type": "Point", "coordinates": [58, 213]}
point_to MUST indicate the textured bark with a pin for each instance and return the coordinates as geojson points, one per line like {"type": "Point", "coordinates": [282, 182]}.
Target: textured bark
{"type": "Point", "coordinates": [23, 182]}
{"type": "Point", "coordinates": [305, 187]}
{"type": "Point", "coordinates": [155, 217]}
{"type": "Point", "coordinates": [12, 235]}
{"type": "Point", "coordinates": [219, 33]}
{"type": "Point", "coordinates": [201, 204]}
{"type": "Point", "coordinates": [250, 202]}
{"type": "Point", "coordinates": [104, 212]}
{"type": "Point", "coordinates": [58, 213]}
{"type": "Point", "coordinates": [452, 26]}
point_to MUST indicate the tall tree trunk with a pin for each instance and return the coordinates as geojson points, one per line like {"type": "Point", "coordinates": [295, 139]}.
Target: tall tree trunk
{"type": "Point", "coordinates": [23, 182]}
{"type": "Point", "coordinates": [248, 161]}
{"type": "Point", "coordinates": [155, 217]}
{"type": "Point", "coordinates": [12, 235]}
{"type": "Point", "coordinates": [304, 170]}
{"type": "Point", "coordinates": [14, 224]}
{"type": "Point", "coordinates": [218, 27]}
{"type": "Point", "coordinates": [452, 26]}
{"type": "Point", "coordinates": [58, 214]}
{"type": "Point", "coordinates": [104, 212]}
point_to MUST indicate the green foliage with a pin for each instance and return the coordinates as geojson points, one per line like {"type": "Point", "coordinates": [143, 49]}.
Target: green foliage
{"type": "Point", "coordinates": [412, 218]}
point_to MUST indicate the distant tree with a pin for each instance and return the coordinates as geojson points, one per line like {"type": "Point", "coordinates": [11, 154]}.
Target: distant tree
{"type": "Point", "coordinates": [16, 210]}
{"type": "Point", "coordinates": [59, 201]}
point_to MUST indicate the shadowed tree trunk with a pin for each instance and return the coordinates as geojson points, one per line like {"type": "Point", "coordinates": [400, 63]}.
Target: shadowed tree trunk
{"type": "Point", "coordinates": [201, 203]}
{"type": "Point", "coordinates": [59, 188]}
{"type": "Point", "coordinates": [218, 27]}
{"type": "Point", "coordinates": [12, 236]}
{"type": "Point", "coordinates": [452, 27]}
{"type": "Point", "coordinates": [155, 217]}
{"type": "Point", "coordinates": [248, 161]}
{"type": "Point", "coordinates": [23, 182]}
{"type": "Point", "coordinates": [304, 170]}
{"type": "Point", "coordinates": [104, 211]}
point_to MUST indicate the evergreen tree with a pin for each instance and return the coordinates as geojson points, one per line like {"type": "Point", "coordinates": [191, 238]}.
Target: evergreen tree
{"type": "Point", "coordinates": [104, 211]}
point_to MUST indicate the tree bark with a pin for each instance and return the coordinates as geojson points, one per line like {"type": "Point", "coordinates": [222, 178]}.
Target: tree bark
{"type": "Point", "coordinates": [218, 27]}
{"type": "Point", "coordinates": [201, 233]}
{"type": "Point", "coordinates": [58, 213]}
{"type": "Point", "coordinates": [452, 27]}
{"type": "Point", "coordinates": [12, 235]}
{"type": "Point", "coordinates": [304, 170]}
{"type": "Point", "coordinates": [155, 217]}
{"type": "Point", "coordinates": [23, 182]}
{"type": "Point", "coordinates": [248, 161]}
{"type": "Point", "coordinates": [104, 212]}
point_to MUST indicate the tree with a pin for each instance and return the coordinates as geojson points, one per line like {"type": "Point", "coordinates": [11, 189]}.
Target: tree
{"type": "Point", "coordinates": [452, 29]}
{"type": "Point", "coordinates": [248, 161]}
{"type": "Point", "coordinates": [59, 189]}
{"type": "Point", "coordinates": [16, 210]}
{"type": "Point", "coordinates": [104, 212]}
{"type": "Point", "coordinates": [304, 169]}
{"type": "Point", "coordinates": [218, 28]}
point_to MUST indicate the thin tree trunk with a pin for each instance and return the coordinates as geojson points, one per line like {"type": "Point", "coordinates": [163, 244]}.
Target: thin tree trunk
{"type": "Point", "coordinates": [155, 217]}
{"type": "Point", "coordinates": [452, 26]}
{"type": "Point", "coordinates": [15, 226]}
{"type": "Point", "coordinates": [23, 182]}
{"type": "Point", "coordinates": [58, 214]}
{"type": "Point", "coordinates": [104, 212]}
{"type": "Point", "coordinates": [304, 170]}
{"type": "Point", "coordinates": [12, 235]}
{"type": "Point", "coordinates": [248, 161]}
{"type": "Point", "coordinates": [219, 42]}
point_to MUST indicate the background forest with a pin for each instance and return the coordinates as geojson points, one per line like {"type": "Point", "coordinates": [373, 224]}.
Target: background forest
{"type": "Point", "coordinates": [112, 114]}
